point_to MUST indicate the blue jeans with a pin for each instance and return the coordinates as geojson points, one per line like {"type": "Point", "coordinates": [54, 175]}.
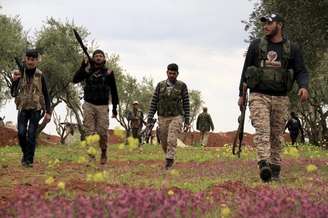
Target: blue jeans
{"type": "Point", "coordinates": [27, 124]}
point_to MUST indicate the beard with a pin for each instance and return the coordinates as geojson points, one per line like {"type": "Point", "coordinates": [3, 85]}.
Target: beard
{"type": "Point", "coordinates": [273, 33]}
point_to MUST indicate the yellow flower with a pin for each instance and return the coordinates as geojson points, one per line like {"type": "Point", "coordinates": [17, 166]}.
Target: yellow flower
{"type": "Point", "coordinates": [92, 139]}
{"type": "Point", "coordinates": [49, 180]}
{"type": "Point", "coordinates": [82, 160]}
{"type": "Point", "coordinates": [119, 132]}
{"type": "Point", "coordinates": [170, 192]}
{"type": "Point", "coordinates": [293, 152]}
{"type": "Point", "coordinates": [311, 168]}
{"type": "Point", "coordinates": [92, 151]}
{"type": "Point", "coordinates": [83, 144]}
{"type": "Point", "coordinates": [61, 185]}
{"type": "Point", "coordinates": [174, 172]}
{"type": "Point", "coordinates": [133, 143]}
{"type": "Point", "coordinates": [98, 177]}
{"type": "Point", "coordinates": [89, 177]}
{"type": "Point", "coordinates": [121, 146]}
{"type": "Point", "coordinates": [225, 211]}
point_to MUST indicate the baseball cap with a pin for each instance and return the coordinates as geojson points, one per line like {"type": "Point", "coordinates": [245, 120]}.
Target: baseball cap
{"type": "Point", "coordinates": [272, 17]}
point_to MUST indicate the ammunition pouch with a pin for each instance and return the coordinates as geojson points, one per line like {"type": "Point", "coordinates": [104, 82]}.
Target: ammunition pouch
{"type": "Point", "coordinates": [253, 76]}
{"type": "Point", "coordinates": [279, 80]}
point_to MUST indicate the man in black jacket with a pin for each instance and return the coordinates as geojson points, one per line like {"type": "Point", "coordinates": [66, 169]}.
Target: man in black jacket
{"type": "Point", "coordinates": [272, 64]}
{"type": "Point", "coordinates": [99, 84]}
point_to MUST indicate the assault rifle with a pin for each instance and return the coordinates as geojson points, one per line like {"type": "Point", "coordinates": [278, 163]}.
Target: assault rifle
{"type": "Point", "coordinates": [241, 119]}
{"type": "Point", "coordinates": [146, 133]}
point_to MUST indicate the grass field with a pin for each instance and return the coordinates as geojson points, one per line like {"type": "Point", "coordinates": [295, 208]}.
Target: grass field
{"type": "Point", "coordinates": [203, 183]}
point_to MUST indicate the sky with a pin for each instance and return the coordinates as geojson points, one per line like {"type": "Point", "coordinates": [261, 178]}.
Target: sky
{"type": "Point", "coordinates": [205, 38]}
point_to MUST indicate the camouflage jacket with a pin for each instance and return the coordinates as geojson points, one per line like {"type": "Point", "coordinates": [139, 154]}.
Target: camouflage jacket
{"type": "Point", "coordinates": [204, 122]}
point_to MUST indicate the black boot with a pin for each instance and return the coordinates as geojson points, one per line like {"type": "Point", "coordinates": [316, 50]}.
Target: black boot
{"type": "Point", "coordinates": [275, 172]}
{"type": "Point", "coordinates": [265, 171]}
{"type": "Point", "coordinates": [168, 163]}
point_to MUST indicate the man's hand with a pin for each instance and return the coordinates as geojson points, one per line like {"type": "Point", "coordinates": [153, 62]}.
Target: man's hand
{"type": "Point", "coordinates": [47, 118]}
{"type": "Point", "coordinates": [241, 102]}
{"type": "Point", "coordinates": [303, 94]}
{"type": "Point", "coordinates": [186, 127]}
{"type": "Point", "coordinates": [16, 74]}
{"type": "Point", "coordinates": [114, 112]}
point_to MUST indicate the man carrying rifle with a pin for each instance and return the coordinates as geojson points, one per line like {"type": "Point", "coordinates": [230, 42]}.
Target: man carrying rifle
{"type": "Point", "coordinates": [171, 101]}
{"type": "Point", "coordinates": [135, 119]}
{"type": "Point", "coordinates": [272, 64]}
{"type": "Point", "coordinates": [31, 97]}
{"type": "Point", "coordinates": [99, 83]}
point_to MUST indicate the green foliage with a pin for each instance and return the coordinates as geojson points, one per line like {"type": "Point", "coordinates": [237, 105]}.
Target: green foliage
{"type": "Point", "coordinates": [195, 104]}
{"type": "Point", "coordinates": [12, 44]}
{"type": "Point", "coordinates": [61, 55]}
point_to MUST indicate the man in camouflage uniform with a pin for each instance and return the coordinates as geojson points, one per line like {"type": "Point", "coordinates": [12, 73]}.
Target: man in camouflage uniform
{"type": "Point", "coordinates": [294, 127]}
{"type": "Point", "coordinates": [171, 101]}
{"type": "Point", "coordinates": [31, 97]}
{"type": "Point", "coordinates": [272, 64]}
{"type": "Point", "coordinates": [99, 83]}
{"type": "Point", "coordinates": [204, 124]}
{"type": "Point", "coordinates": [135, 119]}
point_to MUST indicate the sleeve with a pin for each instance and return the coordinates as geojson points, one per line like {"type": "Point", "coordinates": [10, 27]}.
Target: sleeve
{"type": "Point", "coordinates": [287, 124]}
{"type": "Point", "coordinates": [197, 123]}
{"type": "Point", "coordinates": [81, 74]}
{"type": "Point", "coordinates": [113, 88]}
{"type": "Point", "coordinates": [249, 61]}
{"type": "Point", "coordinates": [297, 64]}
{"type": "Point", "coordinates": [46, 95]}
{"type": "Point", "coordinates": [153, 103]}
{"type": "Point", "coordinates": [186, 104]}
{"type": "Point", "coordinates": [14, 87]}
{"type": "Point", "coordinates": [211, 122]}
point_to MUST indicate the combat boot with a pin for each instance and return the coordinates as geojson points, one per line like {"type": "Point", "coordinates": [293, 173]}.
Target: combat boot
{"type": "Point", "coordinates": [103, 158]}
{"type": "Point", "coordinates": [265, 171]}
{"type": "Point", "coordinates": [275, 168]}
{"type": "Point", "coordinates": [168, 163]}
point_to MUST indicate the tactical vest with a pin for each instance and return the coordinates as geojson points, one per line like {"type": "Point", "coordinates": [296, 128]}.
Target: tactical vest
{"type": "Point", "coordinates": [96, 88]}
{"type": "Point", "coordinates": [30, 95]}
{"type": "Point", "coordinates": [278, 79]}
{"type": "Point", "coordinates": [136, 119]}
{"type": "Point", "coordinates": [170, 99]}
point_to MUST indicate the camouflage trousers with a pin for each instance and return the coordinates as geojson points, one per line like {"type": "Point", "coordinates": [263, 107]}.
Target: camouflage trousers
{"type": "Point", "coordinates": [268, 115]}
{"type": "Point", "coordinates": [96, 121]}
{"type": "Point", "coordinates": [170, 129]}
{"type": "Point", "coordinates": [204, 138]}
{"type": "Point", "coordinates": [136, 133]}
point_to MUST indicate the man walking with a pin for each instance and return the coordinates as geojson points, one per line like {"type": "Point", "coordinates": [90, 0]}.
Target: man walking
{"type": "Point", "coordinates": [204, 124]}
{"type": "Point", "coordinates": [31, 97]}
{"type": "Point", "coordinates": [99, 83]}
{"type": "Point", "coordinates": [135, 121]}
{"type": "Point", "coordinates": [171, 101]}
{"type": "Point", "coordinates": [272, 64]}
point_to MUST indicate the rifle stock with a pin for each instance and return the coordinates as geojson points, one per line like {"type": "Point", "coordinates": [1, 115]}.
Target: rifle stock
{"type": "Point", "coordinates": [241, 119]}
